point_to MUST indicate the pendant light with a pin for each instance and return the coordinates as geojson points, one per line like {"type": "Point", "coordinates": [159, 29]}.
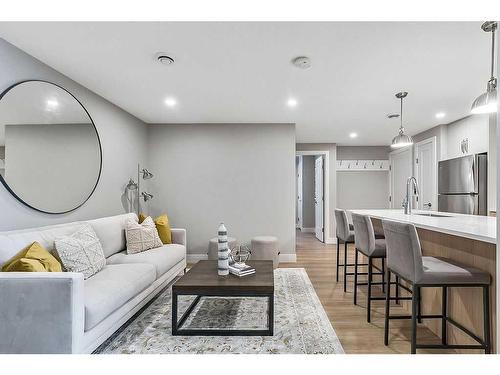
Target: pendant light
{"type": "Point", "coordinates": [487, 102]}
{"type": "Point", "coordinates": [402, 139]}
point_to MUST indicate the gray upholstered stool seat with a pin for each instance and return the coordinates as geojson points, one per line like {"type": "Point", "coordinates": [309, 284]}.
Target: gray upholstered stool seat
{"type": "Point", "coordinates": [379, 250]}
{"type": "Point", "coordinates": [440, 271]}
{"type": "Point", "coordinates": [213, 247]}
{"type": "Point", "coordinates": [265, 248]}
{"type": "Point", "coordinates": [350, 236]}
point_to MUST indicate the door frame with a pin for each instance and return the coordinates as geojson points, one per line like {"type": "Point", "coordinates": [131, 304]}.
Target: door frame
{"type": "Point", "coordinates": [410, 165]}
{"type": "Point", "coordinates": [416, 166]}
{"type": "Point", "coordinates": [319, 159]}
{"type": "Point", "coordinates": [326, 191]}
{"type": "Point", "coordinates": [299, 202]}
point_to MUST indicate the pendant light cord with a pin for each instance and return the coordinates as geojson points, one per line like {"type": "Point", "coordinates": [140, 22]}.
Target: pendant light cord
{"type": "Point", "coordinates": [401, 117]}
{"type": "Point", "coordinates": [493, 51]}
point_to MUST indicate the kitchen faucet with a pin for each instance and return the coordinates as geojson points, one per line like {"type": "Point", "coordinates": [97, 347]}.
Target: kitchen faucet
{"type": "Point", "coordinates": [408, 201]}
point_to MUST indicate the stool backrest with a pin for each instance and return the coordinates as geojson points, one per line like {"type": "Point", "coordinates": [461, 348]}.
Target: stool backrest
{"type": "Point", "coordinates": [404, 254]}
{"type": "Point", "coordinates": [364, 236]}
{"type": "Point", "coordinates": [342, 224]}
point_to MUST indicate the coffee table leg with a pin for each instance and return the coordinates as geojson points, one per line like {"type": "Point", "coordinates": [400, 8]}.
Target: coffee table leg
{"type": "Point", "coordinates": [270, 317]}
{"type": "Point", "coordinates": [174, 314]}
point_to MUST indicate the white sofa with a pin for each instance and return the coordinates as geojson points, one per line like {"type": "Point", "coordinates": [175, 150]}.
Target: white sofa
{"type": "Point", "coordinates": [52, 312]}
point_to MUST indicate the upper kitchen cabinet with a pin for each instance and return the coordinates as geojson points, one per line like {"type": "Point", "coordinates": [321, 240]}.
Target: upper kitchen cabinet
{"type": "Point", "coordinates": [468, 136]}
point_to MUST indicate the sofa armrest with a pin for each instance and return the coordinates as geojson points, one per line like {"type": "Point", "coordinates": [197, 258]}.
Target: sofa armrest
{"type": "Point", "coordinates": [41, 312]}
{"type": "Point", "coordinates": [179, 236]}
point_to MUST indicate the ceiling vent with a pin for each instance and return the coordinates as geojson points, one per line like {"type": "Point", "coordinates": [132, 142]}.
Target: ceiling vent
{"type": "Point", "coordinates": [302, 62]}
{"type": "Point", "coordinates": [164, 58]}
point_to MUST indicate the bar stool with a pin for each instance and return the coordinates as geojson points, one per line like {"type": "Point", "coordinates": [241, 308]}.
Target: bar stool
{"type": "Point", "coordinates": [345, 233]}
{"type": "Point", "coordinates": [404, 258]}
{"type": "Point", "coordinates": [372, 248]}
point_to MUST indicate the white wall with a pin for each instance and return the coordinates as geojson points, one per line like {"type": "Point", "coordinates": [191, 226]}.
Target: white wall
{"type": "Point", "coordinates": [123, 139]}
{"type": "Point", "coordinates": [241, 174]}
{"type": "Point", "coordinates": [362, 189]}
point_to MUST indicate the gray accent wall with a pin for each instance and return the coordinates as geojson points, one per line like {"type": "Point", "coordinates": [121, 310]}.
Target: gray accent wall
{"type": "Point", "coordinates": [308, 209]}
{"type": "Point", "coordinates": [123, 138]}
{"type": "Point", "coordinates": [239, 174]}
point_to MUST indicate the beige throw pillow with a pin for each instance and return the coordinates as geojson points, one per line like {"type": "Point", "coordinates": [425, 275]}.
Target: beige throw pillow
{"type": "Point", "coordinates": [81, 252]}
{"type": "Point", "coordinates": [141, 237]}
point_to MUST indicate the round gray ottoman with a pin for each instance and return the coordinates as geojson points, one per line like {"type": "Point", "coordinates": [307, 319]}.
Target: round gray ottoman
{"type": "Point", "coordinates": [213, 248]}
{"type": "Point", "coordinates": [265, 248]}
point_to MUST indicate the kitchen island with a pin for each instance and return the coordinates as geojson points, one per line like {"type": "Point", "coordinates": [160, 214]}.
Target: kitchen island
{"type": "Point", "coordinates": [468, 239]}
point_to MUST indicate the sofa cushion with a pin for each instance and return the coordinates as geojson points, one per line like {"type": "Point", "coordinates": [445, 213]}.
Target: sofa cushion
{"type": "Point", "coordinates": [112, 287]}
{"type": "Point", "coordinates": [12, 241]}
{"type": "Point", "coordinates": [81, 252]}
{"type": "Point", "coordinates": [163, 258]}
{"type": "Point", "coordinates": [111, 232]}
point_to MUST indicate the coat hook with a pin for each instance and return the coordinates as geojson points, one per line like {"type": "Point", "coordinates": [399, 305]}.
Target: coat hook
{"type": "Point", "coordinates": [373, 162]}
{"type": "Point", "coordinates": [357, 162]}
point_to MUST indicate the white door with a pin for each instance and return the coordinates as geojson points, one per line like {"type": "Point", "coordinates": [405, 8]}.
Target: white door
{"type": "Point", "coordinates": [299, 192]}
{"type": "Point", "coordinates": [426, 173]}
{"type": "Point", "coordinates": [318, 197]}
{"type": "Point", "coordinates": [401, 167]}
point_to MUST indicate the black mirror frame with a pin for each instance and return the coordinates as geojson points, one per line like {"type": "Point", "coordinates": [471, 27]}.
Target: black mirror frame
{"type": "Point", "coordinates": [6, 185]}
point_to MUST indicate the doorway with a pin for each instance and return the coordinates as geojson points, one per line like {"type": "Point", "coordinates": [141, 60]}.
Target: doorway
{"type": "Point", "coordinates": [400, 168]}
{"type": "Point", "coordinates": [312, 188]}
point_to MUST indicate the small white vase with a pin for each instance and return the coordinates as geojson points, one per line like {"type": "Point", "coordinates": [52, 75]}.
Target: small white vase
{"type": "Point", "coordinates": [223, 253]}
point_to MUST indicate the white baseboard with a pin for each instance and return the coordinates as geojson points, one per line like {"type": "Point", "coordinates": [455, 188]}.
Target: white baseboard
{"type": "Point", "coordinates": [288, 258]}
{"type": "Point", "coordinates": [331, 241]}
{"type": "Point", "coordinates": [194, 258]}
{"type": "Point", "coordinates": [308, 230]}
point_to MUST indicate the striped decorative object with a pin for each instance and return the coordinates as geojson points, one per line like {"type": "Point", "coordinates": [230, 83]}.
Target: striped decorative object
{"type": "Point", "coordinates": [223, 254]}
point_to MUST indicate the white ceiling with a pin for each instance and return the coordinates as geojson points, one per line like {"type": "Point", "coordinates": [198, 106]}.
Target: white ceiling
{"type": "Point", "coordinates": [241, 72]}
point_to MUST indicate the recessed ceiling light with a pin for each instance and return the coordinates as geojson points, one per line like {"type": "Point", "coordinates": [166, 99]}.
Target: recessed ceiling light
{"type": "Point", "coordinates": [353, 135]}
{"type": "Point", "coordinates": [291, 102]}
{"type": "Point", "coordinates": [440, 114]}
{"type": "Point", "coordinates": [170, 102]}
{"type": "Point", "coordinates": [302, 62]}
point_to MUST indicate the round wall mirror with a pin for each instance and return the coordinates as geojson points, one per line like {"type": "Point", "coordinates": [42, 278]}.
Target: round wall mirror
{"type": "Point", "coordinates": [50, 153]}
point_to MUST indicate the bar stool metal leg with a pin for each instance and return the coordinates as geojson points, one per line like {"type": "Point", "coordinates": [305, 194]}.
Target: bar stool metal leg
{"type": "Point", "coordinates": [397, 290]}
{"type": "Point", "coordinates": [486, 317]}
{"type": "Point", "coordinates": [338, 250]}
{"type": "Point", "coordinates": [369, 299]}
{"type": "Point", "coordinates": [383, 275]}
{"type": "Point", "coordinates": [414, 303]}
{"type": "Point", "coordinates": [444, 313]}
{"type": "Point", "coordinates": [356, 277]}
{"type": "Point", "coordinates": [345, 267]}
{"type": "Point", "coordinates": [387, 308]}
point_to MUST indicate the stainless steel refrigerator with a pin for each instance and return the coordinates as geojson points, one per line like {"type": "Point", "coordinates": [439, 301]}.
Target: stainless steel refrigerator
{"type": "Point", "coordinates": [462, 185]}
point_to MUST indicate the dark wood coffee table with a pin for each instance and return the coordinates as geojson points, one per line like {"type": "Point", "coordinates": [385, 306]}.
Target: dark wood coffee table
{"type": "Point", "coordinates": [202, 280]}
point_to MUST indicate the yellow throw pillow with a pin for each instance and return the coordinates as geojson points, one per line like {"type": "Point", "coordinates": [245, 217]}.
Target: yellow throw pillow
{"type": "Point", "coordinates": [162, 226]}
{"type": "Point", "coordinates": [33, 258]}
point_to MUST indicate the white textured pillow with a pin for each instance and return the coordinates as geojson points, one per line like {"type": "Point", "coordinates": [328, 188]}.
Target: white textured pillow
{"type": "Point", "coordinates": [81, 252]}
{"type": "Point", "coordinates": [141, 237]}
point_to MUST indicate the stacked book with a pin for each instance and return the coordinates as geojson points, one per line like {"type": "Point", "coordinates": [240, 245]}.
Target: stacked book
{"type": "Point", "coordinates": [241, 269]}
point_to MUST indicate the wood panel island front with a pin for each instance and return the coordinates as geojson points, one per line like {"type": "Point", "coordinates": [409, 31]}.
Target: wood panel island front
{"type": "Point", "coordinates": [468, 239]}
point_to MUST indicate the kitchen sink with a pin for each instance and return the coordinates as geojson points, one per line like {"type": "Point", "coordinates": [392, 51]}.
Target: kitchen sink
{"type": "Point", "coordinates": [432, 215]}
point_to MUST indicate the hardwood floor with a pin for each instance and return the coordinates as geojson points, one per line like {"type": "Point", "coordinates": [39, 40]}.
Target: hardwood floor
{"type": "Point", "coordinates": [348, 320]}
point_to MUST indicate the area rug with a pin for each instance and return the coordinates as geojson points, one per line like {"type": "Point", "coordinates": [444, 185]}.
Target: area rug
{"type": "Point", "coordinates": [301, 325]}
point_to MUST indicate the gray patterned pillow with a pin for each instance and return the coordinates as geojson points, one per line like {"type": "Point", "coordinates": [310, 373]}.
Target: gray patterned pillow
{"type": "Point", "coordinates": [81, 252]}
{"type": "Point", "coordinates": [142, 237]}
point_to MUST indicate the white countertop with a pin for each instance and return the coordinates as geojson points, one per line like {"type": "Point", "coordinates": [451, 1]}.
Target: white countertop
{"type": "Point", "coordinates": [481, 228]}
